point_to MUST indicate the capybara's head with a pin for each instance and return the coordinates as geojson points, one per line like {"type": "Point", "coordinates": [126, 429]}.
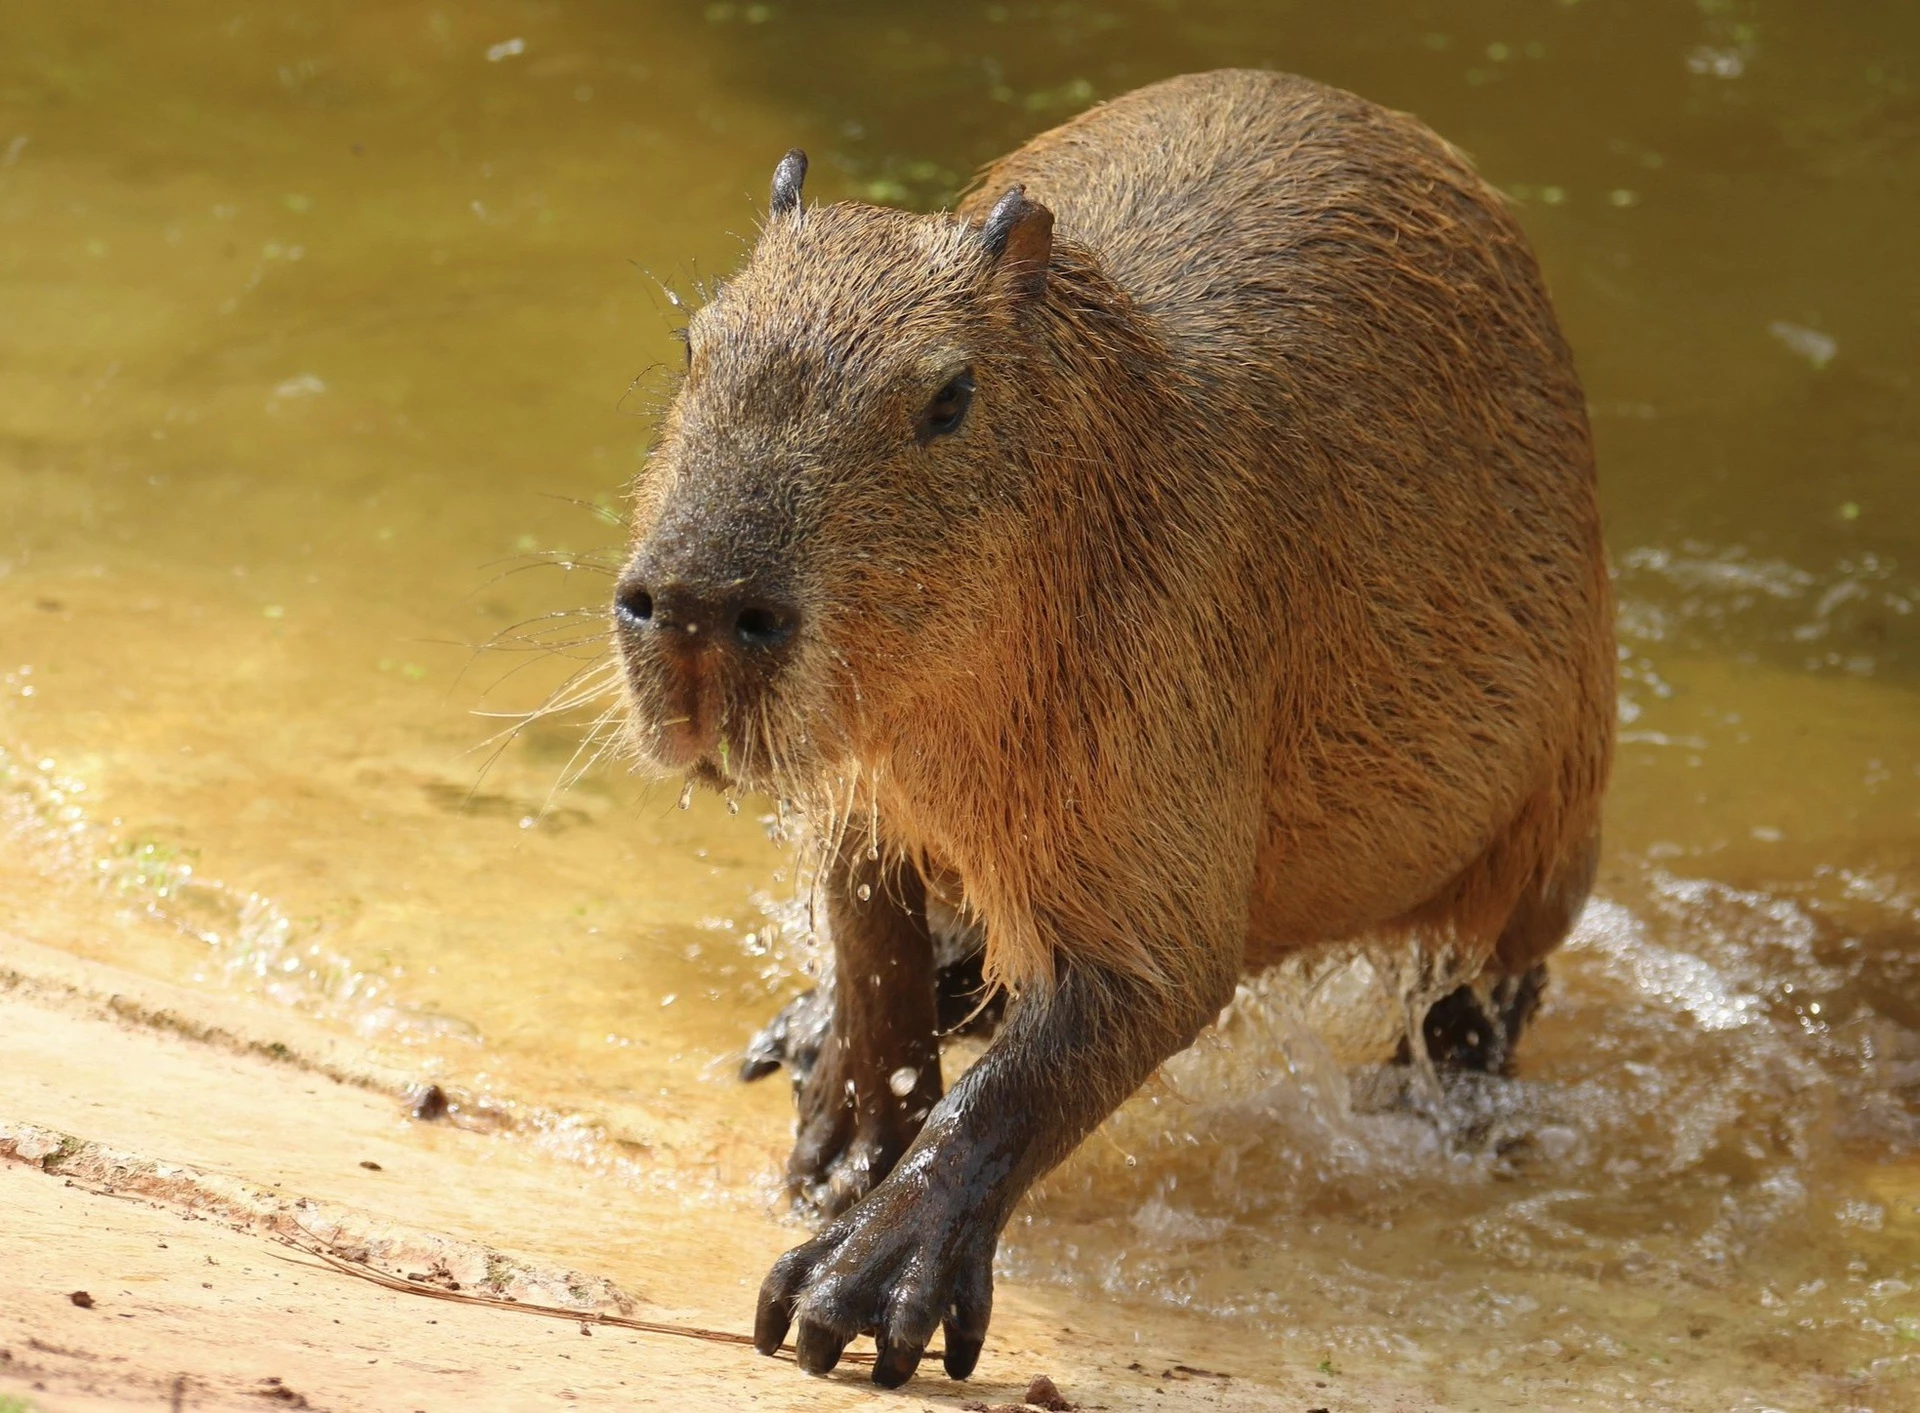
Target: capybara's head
{"type": "Point", "coordinates": [816, 533]}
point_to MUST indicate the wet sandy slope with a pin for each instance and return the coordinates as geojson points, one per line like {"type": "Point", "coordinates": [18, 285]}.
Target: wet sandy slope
{"type": "Point", "coordinates": [154, 1147]}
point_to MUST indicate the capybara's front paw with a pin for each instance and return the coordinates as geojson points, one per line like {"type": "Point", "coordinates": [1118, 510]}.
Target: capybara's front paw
{"type": "Point", "coordinates": [849, 1139]}
{"type": "Point", "coordinates": [898, 1266]}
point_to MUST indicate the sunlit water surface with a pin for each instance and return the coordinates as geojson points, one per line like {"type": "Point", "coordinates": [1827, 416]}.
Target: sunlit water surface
{"type": "Point", "coordinates": [329, 336]}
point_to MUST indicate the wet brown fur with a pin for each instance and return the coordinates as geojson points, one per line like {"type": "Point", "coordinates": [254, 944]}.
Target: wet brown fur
{"type": "Point", "coordinates": [1260, 601]}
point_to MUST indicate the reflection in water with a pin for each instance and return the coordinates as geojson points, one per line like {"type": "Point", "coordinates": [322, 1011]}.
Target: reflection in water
{"type": "Point", "coordinates": [315, 372]}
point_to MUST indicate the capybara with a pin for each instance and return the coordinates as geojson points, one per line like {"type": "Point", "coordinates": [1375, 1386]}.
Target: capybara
{"type": "Point", "coordinates": [1182, 554]}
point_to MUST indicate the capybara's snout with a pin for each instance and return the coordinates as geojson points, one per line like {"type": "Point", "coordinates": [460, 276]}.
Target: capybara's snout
{"type": "Point", "coordinates": [702, 643]}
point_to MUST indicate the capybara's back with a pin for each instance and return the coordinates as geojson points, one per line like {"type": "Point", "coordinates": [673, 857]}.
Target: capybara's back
{"type": "Point", "coordinates": [1402, 524]}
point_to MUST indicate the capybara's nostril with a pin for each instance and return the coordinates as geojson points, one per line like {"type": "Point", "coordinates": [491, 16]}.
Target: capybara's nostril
{"type": "Point", "coordinates": [764, 625]}
{"type": "Point", "coordinates": [634, 604]}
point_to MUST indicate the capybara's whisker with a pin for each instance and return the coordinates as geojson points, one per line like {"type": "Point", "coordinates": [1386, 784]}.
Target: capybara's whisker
{"type": "Point", "coordinates": [605, 514]}
{"type": "Point", "coordinates": [585, 683]}
{"type": "Point", "coordinates": [585, 756]}
{"type": "Point", "coordinates": [518, 564]}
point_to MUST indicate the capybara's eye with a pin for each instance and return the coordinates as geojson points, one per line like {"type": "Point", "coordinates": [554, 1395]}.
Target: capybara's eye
{"type": "Point", "coordinates": [948, 408]}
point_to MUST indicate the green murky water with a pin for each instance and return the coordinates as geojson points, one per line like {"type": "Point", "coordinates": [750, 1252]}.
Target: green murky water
{"type": "Point", "coordinates": [320, 324]}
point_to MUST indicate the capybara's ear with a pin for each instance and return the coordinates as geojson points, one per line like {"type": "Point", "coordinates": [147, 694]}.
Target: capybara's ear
{"type": "Point", "coordinates": [788, 178]}
{"type": "Point", "coordinates": [1019, 235]}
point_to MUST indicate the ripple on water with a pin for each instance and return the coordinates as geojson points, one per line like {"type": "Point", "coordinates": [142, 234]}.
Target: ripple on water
{"type": "Point", "coordinates": [248, 939]}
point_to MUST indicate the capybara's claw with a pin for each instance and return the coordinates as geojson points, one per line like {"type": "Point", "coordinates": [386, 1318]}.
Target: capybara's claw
{"type": "Point", "coordinates": [792, 1038]}
{"type": "Point", "coordinates": [897, 1267]}
{"type": "Point", "coordinates": [756, 1064]}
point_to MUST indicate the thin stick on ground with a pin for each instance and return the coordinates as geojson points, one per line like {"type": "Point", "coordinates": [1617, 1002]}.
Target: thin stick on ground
{"type": "Point", "coordinates": [556, 1312]}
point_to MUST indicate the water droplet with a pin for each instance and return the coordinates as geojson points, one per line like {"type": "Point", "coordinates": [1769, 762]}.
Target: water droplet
{"type": "Point", "coordinates": [733, 805]}
{"type": "Point", "coordinates": [863, 892]}
{"type": "Point", "coordinates": [873, 851]}
{"type": "Point", "coordinates": [902, 1080]}
{"type": "Point", "coordinates": [1132, 1161]}
{"type": "Point", "coordinates": [686, 795]}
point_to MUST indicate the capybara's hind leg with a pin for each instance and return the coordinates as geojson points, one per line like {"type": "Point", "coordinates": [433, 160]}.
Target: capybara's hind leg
{"type": "Point", "coordinates": [1477, 1026]}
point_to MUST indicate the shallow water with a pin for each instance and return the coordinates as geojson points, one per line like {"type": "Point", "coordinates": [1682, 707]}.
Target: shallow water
{"type": "Point", "coordinates": [320, 325]}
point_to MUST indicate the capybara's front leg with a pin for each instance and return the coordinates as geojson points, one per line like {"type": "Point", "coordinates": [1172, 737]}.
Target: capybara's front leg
{"type": "Point", "coordinates": [917, 1252]}
{"type": "Point", "coordinates": [877, 1074]}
